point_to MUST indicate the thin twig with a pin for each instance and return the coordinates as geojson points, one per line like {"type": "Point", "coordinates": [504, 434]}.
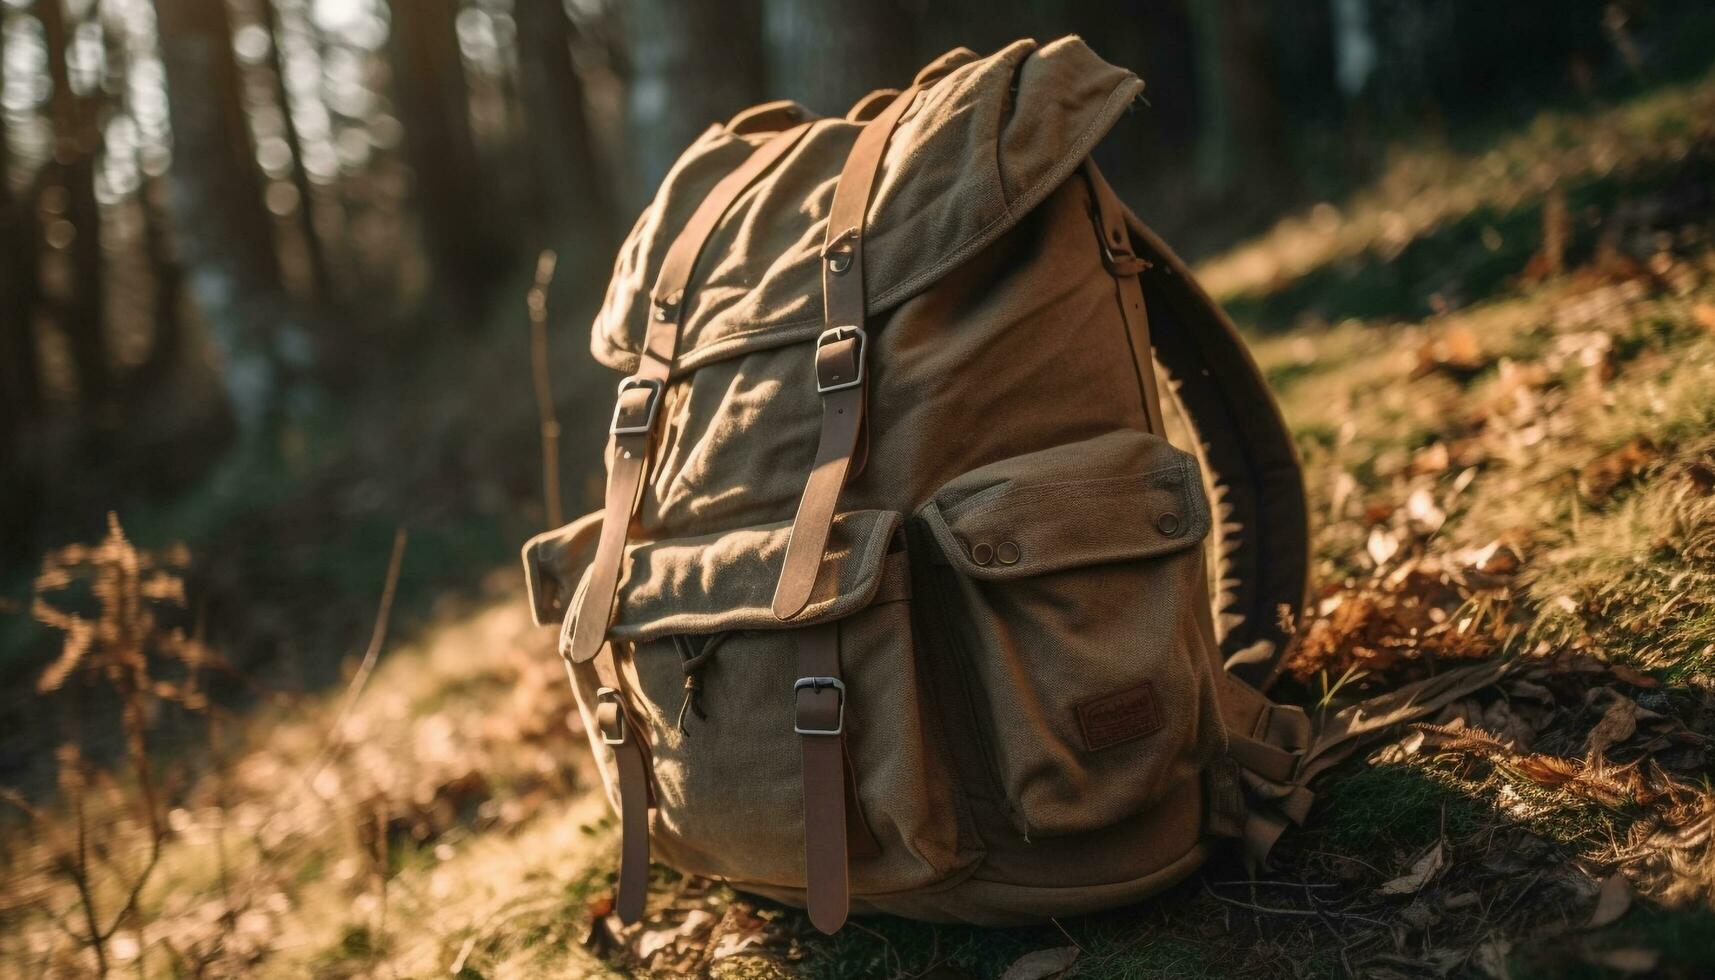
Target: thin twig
{"type": "Point", "coordinates": [1078, 945]}
{"type": "Point", "coordinates": [1217, 896]}
{"type": "Point", "coordinates": [377, 637]}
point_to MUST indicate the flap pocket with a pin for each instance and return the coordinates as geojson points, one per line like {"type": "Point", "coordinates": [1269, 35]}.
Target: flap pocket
{"type": "Point", "coordinates": [721, 582]}
{"type": "Point", "coordinates": [1118, 497]}
{"type": "Point", "coordinates": [712, 677]}
{"type": "Point", "coordinates": [1073, 581]}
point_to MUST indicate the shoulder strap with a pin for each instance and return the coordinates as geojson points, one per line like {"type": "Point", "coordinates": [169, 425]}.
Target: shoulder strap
{"type": "Point", "coordinates": [1249, 448]}
{"type": "Point", "coordinates": [1276, 749]}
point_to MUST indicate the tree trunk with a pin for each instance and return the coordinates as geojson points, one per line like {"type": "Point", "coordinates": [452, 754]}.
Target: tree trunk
{"type": "Point", "coordinates": [314, 254]}
{"type": "Point", "coordinates": [20, 390]}
{"type": "Point", "coordinates": [1241, 133]}
{"type": "Point", "coordinates": [448, 183]}
{"type": "Point", "coordinates": [692, 63]}
{"type": "Point", "coordinates": [577, 212]}
{"type": "Point", "coordinates": [77, 146]}
{"type": "Point", "coordinates": [827, 54]}
{"type": "Point", "coordinates": [224, 231]}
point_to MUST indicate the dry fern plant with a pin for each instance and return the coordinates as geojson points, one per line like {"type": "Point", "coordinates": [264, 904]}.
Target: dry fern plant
{"type": "Point", "coordinates": [109, 601]}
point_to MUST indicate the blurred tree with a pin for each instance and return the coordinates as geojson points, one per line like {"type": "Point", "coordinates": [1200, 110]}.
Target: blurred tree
{"type": "Point", "coordinates": [574, 210]}
{"type": "Point", "coordinates": [315, 256]}
{"type": "Point", "coordinates": [691, 64]}
{"type": "Point", "coordinates": [79, 305]}
{"type": "Point", "coordinates": [827, 54]}
{"type": "Point", "coordinates": [224, 230]}
{"type": "Point", "coordinates": [20, 388]}
{"type": "Point", "coordinates": [465, 249]}
{"type": "Point", "coordinates": [1241, 132]}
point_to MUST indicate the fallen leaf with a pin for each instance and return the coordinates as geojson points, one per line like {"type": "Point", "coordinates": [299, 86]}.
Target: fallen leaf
{"type": "Point", "coordinates": [1422, 871]}
{"type": "Point", "coordinates": [1495, 558]}
{"type": "Point", "coordinates": [1547, 770]}
{"type": "Point", "coordinates": [1636, 678]}
{"type": "Point", "coordinates": [1612, 901]}
{"type": "Point", "coordinates": [1426, 516]}
{"type": "Point", "coordinates": [1454, 353]}
{"type": "Point", "coordinates": [1618, 723]}
{"type": "Point", "coordinates": [653, 941]}
{"type": "Point", "coordinates": [1430, 460]}
{"type": "Point", "coordinates": [1041, 964]}
{"type": "Point", "coordinates": [601, 906]}
{"type": "Point", "coordinates": [1704, 314]}
{"type": "Point", "coordinates": [1381, 546]}
{"type": "Point", "coordinates": [1606, 473]}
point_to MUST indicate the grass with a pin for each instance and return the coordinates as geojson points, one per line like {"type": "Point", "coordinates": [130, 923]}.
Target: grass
{"type": "Point", "coordinates": [452, 825]}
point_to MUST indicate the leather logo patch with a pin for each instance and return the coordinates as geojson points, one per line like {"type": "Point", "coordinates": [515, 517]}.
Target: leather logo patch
{"type": "Point", "coordinates": [1107, 721]}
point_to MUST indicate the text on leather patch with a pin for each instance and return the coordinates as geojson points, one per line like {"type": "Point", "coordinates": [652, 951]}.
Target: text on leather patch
{"type": "Point", "coordinates": [1114, 718]}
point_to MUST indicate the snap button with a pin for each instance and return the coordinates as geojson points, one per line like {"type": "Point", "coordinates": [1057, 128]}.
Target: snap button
{"type": "Point", "coordinates": [1007, 553]}
{"type": "Point", "coordinates": [1168, 524]}
{"type": "Point", "coordinates": [982, 553]}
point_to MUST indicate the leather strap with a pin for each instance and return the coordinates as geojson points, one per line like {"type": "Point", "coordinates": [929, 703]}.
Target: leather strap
{"type": "Point", "coordinates": [640, 395]}
{"type": "Point", "coordinates": [840, 355]}
{"type": "Point", "coordinates": [617, 727]}
{"type": "Point", "coordinates": [1125, 266]}
{"type": "Point", "coordinates": [820, 723]}
{"type": "Point", "coordinates": [619, 730]}
{"type": "Point", "coordinates": [631, 436]}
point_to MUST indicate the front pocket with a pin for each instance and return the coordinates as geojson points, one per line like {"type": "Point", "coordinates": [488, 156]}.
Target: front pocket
{"type": "Point", "coordinates": [1074, 575]}
{"type": "Point", "coordinates": [727, 764]}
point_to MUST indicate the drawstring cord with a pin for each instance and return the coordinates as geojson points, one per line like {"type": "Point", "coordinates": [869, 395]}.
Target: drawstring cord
{"type": "Point", "coordinates": [694, 662]}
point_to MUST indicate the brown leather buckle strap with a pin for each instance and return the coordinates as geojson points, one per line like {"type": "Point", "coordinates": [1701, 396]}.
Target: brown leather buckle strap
{"type": "Point", "coordinates": [1117, 254]}
{"type": "Point", "coordinates": [820, 721]}
{"type": "Point", "coordinates": [631, 435]}
{"type": "Point", "coordinates": [840, 355]}
{"type": "Point", "coordinates": [639, 402]}
{"type": "Point", "coordinates": [617, 731]}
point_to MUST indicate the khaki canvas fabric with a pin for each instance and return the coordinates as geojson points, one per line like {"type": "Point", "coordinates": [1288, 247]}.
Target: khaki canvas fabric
{"type": "Point", "coordinates": [1035, 719]}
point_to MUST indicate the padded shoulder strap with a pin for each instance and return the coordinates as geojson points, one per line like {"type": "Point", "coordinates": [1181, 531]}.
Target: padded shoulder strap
{"type": "Point", "coordinates": [1247, 445]}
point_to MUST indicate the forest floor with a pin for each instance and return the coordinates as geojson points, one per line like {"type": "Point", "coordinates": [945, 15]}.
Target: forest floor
{"type": "Point", "coordinates": [1500, 365]}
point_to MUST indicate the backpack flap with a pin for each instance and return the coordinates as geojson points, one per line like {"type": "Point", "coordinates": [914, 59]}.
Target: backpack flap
{"type": "Point", "coordinates": [719, 583]}
{"type": "Point", "coordinates": [982, 145]}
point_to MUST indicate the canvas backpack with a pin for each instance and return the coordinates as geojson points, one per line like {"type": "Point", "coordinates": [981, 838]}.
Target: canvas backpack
{"type": "Point", "coordinates": [900, 598]}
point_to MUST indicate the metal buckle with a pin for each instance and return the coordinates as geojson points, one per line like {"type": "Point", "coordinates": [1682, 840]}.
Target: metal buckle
{"type": "Point", "coordinates": [611, 696]}
{"type": "Point", "coordinates": [834, 335]}
{"type": "Point", "coordinates": [817, 684]}
{"type": "Point", "coordinates": [648, 422]}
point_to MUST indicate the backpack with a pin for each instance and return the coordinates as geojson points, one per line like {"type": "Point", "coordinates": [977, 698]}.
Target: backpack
{"type": "Point", "coordinates": [902, 599]}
